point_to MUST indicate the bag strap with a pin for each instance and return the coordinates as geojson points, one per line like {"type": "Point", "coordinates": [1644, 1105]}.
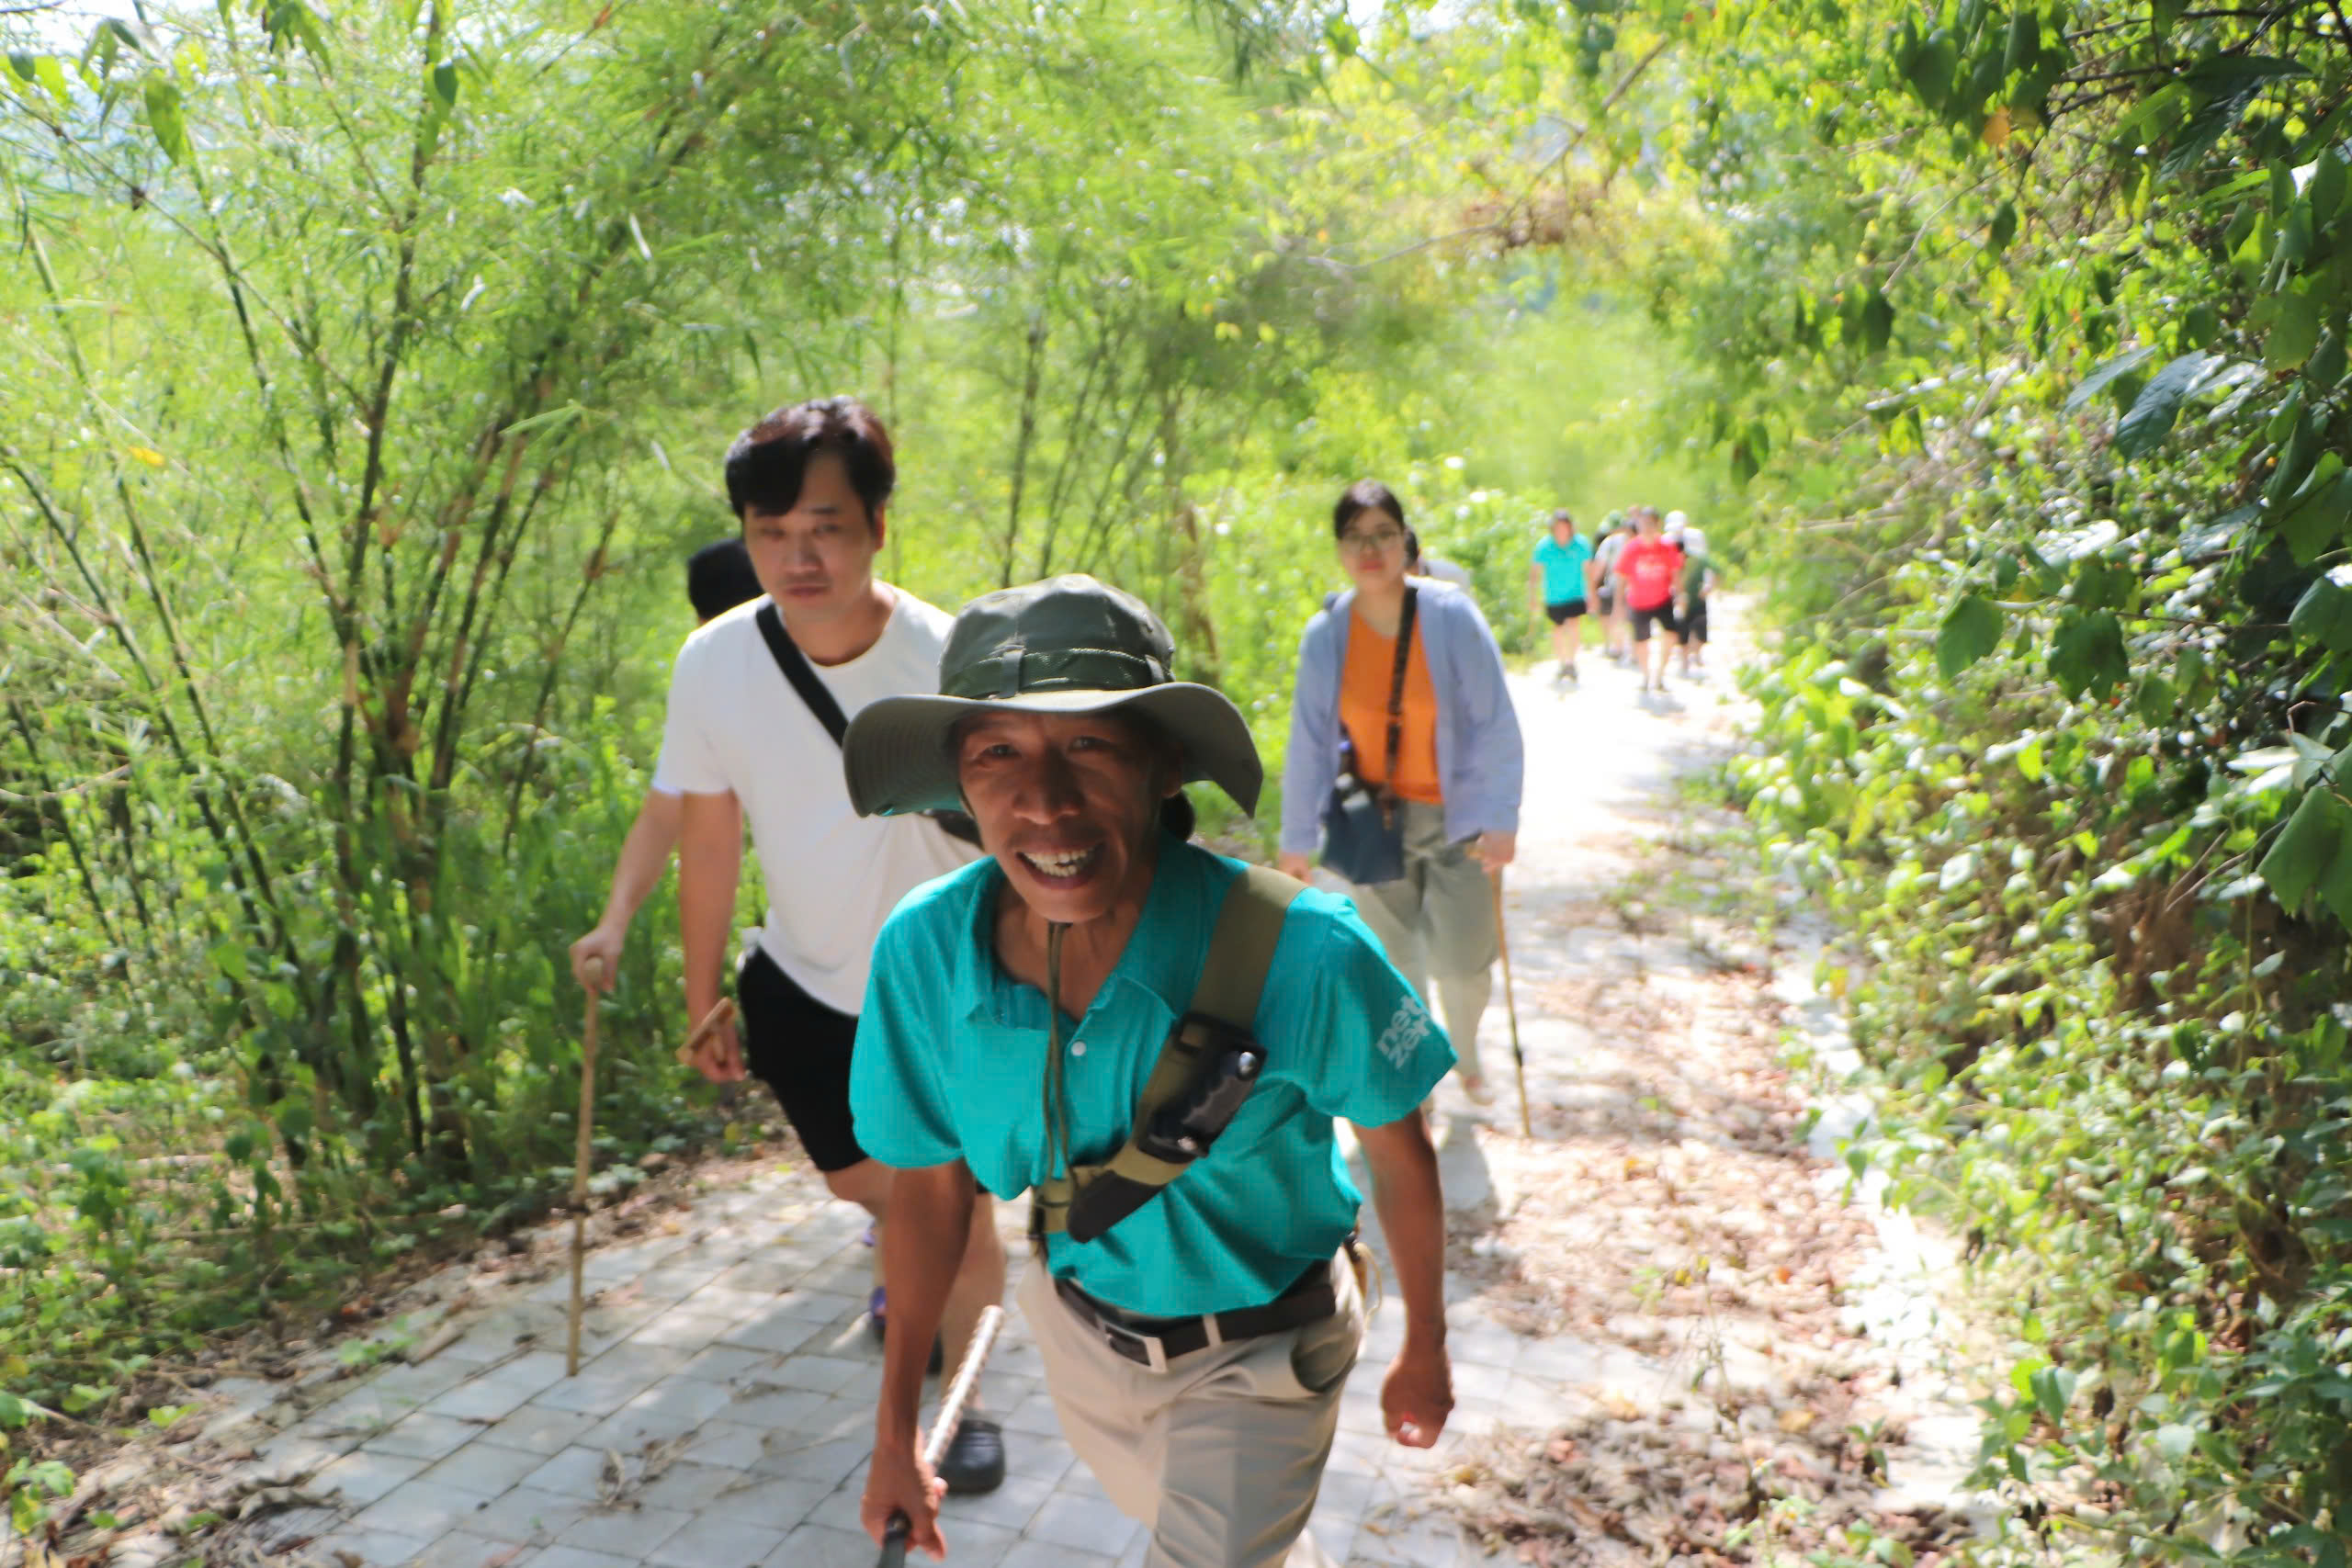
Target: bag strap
{"type": "Point", "coordinates": [1396, 688]}
{"type": "Point", "coordinates": [797, 670]}
{"type": "Point", "coordinates": [819, 698]}
{"type": "Point", "coordinates": [1232, 979]}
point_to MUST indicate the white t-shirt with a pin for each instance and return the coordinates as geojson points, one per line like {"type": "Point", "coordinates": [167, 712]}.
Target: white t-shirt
{"type": "Point", "coordinates": [735, 724]}
{"type": "Point", "coordinates": [1606, 557]}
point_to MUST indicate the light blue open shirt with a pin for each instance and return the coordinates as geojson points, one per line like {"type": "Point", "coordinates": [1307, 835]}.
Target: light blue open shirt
{"type": "Point", "coordinates": [1480, 759]}
{"type": "Point", "coordinates": [950, 1064]}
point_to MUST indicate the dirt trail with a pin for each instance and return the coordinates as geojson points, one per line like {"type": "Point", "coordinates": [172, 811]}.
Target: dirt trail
{"type": "Point", "coordinates": [1668, 1223]}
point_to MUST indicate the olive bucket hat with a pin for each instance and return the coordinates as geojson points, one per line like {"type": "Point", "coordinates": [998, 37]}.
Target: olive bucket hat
{"type": "Point", "coordinates": [1069, 644]}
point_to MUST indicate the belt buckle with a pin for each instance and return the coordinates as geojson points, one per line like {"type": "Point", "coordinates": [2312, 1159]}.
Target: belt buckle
{"type": "Point", "coordinates": [1143, 1349]}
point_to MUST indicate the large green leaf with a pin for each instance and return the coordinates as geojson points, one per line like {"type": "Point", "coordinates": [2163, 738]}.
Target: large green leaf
{"type": "Point", "coordinates": [2158, 405]}
{"type": "Point", "coordinates": [2229, 74]}
{"type": "Point", "coordinates": [2312, 526]}
{"type": "Point", "coordinates": [2323, 615]}
{"type": "Point", "coordinates": [2095, 383]}
{"type": "Point", "coordinates": [1971, 629]}
{"type": "Point", "coordinates": [2336, 882]}
{"type": "Point", "coordinates": [2294, 331]}
{"type": "Point", "coordinates": [2305, 848]}
{"type": "Point", "coordinates": [2086, 653]}
{"type": "Point", "coordinates": [165, 119]}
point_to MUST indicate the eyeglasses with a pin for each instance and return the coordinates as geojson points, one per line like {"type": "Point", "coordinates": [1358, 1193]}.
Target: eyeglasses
{"type": "Point", "coordinates": [1372, 539]}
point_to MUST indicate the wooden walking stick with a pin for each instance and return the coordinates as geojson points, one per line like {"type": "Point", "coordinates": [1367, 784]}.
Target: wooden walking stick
{"type": "Point", "coordinates": [1511, 1008]}
{"type": "Point", "coordinates": [942, 1430]}
{"type": "Point", "coordinates": [723, 1012]}
{"type": "Point", "coordinates": [583, 1152]}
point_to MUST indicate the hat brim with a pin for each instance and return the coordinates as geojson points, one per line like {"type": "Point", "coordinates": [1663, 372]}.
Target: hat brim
{"type": "Point", "coordinates": [896, 758]}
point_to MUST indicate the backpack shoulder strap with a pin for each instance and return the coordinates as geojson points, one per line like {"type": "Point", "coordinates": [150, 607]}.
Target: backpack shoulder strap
{"type": "Point", "coordinates": [797, 670]}
{"type": "Point", "coordinates": [1241, 948]}
{"type": "Point", "coordinates": [1232, 980]}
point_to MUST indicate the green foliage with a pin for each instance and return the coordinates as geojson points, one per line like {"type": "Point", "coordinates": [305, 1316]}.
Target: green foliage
{"type": "Point", "coordinates": [370, 372]}
{"type": "Point", "coordinates": [2028, 336]}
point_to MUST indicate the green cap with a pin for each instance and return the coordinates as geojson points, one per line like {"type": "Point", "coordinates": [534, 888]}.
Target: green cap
{"type": "Point", "coordinates": [1069, 644]}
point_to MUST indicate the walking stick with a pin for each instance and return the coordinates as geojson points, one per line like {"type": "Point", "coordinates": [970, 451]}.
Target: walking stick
{"type": "Point", "coordinates": [1511, 1008]}
{"type": "Point", "coordinates": [581, 1152]}
{"type": "Point", "coordinates": [723, 1012]}
{"type": "Point", "coordinates": [942, 1430]}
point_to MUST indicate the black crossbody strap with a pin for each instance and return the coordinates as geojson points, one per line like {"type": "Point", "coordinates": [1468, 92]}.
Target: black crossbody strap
{"type": "Point", "coordinates": [797, 670]}
{"type": "Point", "coordinates": [1397, 689]}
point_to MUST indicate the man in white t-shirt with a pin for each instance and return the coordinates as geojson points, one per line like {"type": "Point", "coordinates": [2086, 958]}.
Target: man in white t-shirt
{"type": "Point", "coordinates": [742, 739]}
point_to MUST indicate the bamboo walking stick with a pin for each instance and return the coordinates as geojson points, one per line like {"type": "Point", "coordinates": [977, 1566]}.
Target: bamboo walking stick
{"type": "Point", "coordinates": [942, 1430]}
{"type": "Point", "coordinates": [583, 1152]}
{"type": "Point", "coordinates": [1511, 1008]}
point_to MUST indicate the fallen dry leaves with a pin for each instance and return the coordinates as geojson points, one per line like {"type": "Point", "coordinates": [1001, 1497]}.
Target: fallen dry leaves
{"type": "Point", "coordinates": [1668, 1207]}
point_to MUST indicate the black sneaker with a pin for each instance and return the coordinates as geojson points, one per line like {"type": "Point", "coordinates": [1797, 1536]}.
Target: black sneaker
{"type": "Point", "coordinates": [975, 1461]}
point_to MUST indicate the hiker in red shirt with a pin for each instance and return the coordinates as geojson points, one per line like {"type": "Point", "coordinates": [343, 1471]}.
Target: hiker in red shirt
{"type": "Point", "coordinates": [1651, 567]}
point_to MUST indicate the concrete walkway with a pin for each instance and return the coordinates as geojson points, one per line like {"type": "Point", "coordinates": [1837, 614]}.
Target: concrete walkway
{"type": "Point", "coordinates": [723, 1414]}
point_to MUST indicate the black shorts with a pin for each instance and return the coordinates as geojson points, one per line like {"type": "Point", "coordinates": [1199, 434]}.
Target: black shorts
{"type": "Point", "coordinates": [1607, 604]}
{"type": "Point", "coordinates": [799, 1048]}
{"type": "Point", "coordinates": [1694, 624]}
{"type": "Point", "coordinates": [1564, 611]}
{"type": "Point", "coordinates": [1661, 614]}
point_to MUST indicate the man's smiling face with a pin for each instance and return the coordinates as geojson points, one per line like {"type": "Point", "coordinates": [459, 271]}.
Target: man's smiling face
{"type": "Point", "coordinates": [1068, 803]}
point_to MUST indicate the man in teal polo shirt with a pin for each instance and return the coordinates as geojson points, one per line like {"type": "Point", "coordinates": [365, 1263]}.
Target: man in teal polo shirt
{"type": "Point", "coordinates": [1196, 1349]}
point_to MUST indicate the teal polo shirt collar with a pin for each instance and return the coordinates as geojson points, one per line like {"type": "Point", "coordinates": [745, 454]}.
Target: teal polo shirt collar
{"type": "Point", "coordinates": [1177, 907]}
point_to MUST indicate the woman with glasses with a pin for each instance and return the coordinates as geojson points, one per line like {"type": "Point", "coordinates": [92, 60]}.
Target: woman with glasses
{"type": "Point", "coordinates": [1433, 736]}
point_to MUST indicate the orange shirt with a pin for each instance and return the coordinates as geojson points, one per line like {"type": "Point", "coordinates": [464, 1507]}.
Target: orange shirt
{"type": "Point", "coordinates": [1363, 711]}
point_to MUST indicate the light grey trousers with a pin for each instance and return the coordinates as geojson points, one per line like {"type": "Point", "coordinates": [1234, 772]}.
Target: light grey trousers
{"type": "Point", "coordinates": [1438, 923]}
{"type": "Point", "coordinates": [1221, 1455]}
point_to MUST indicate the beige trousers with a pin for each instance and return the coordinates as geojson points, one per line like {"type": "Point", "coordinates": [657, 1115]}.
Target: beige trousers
{"type": "Point", "coordinates": [1437, 921]}
{"type": "Point", "coordinates": [1221, 1455]}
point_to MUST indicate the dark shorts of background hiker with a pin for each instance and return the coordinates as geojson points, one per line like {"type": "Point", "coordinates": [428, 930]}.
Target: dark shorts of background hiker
{"type": "Point", "coordinates": [1663, 614]}
{"type": "Point", "coordinates": [1565, 611]}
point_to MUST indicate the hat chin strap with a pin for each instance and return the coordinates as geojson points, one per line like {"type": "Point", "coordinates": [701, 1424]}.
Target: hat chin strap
{"type": "Point", "coordinates": [1056, 1093]}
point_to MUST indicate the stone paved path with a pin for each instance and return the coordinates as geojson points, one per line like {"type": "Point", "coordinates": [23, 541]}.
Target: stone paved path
{"type": "Point", "coordinates": [723, 1413]}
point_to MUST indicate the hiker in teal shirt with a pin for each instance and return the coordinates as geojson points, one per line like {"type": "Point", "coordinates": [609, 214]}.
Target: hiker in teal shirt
{"type": "Point", "coordinates": [1557, 583]}
{"type": "Point", "coordinates": [1196, 1349]}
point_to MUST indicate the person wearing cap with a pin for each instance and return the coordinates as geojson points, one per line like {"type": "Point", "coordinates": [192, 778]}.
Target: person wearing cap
{"type": "Point", "coordinates": [755, 699]}
{"type": "Point", "coordinates": [1699, 581]}
{"type": "Point", "coordinates": [1196, 1349]}
{"type": "Point", "coordinates": [1556, 586]}
{"type": "Point", "coordinates": [1456, 772]}
{"type": "Point", "coordinates": [718, 577]}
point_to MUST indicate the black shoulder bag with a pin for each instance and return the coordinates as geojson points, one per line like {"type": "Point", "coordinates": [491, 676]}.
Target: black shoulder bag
{"type": "Point", "coordinates": [819, 698]}
{"type": "Point", "coordinates": [1363, 839]}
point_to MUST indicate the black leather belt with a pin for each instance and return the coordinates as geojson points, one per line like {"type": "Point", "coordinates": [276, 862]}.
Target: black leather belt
{"type": "Point", "coordinates": [1154, 1341]}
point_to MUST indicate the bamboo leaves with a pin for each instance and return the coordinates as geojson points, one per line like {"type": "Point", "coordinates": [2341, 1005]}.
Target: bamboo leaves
{"type": "Point", "coordinates": [165, 118]}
